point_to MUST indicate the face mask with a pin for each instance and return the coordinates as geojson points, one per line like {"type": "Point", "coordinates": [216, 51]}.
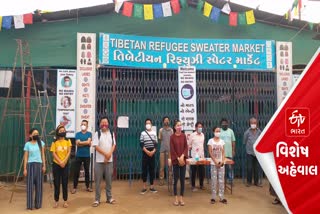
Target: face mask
{"type": "Point", "coordinates": [217, 134]}
{"type": "Point", "coordinates": [148, 126]}
{"type": "Point", "coordinates": [62, 134]}
{"type": "Point", "coordinates": [35, 137]}
{"type": "Point", "coordinates": [166, 124]}
{"type": "Point", "coordinates": [199, 130]}
{"type": "Point", "coordinates": [104, 126]}
{"type": "Point", "coordinates": [224, 127]}
{"type": "Point", "coordinates": [83, 127]}
{"type": "Point", "coordinates": [253, 126]}
{"type": "Point", "coordinates": [178, 129]}
{"type": "Point", "coordinates": [67, 83]}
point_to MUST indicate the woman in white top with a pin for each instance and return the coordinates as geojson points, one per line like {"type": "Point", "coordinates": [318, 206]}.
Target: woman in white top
{"type": "Point", "coordinates": [216, 151]}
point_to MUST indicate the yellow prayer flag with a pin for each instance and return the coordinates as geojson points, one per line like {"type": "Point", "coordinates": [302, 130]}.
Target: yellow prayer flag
{"type": "Point", "coordinates": [250, 17]}
{"type": "Point", "coordinates": [296, 11]}
{"type": "Point", "coordinates": [148, 11]}
{"type": "Point", "coordinates": [0, 22]}
{"type": "Point", "coordinates": [287, 15]}
{"type": "Point", "coordinates": [207, 9]}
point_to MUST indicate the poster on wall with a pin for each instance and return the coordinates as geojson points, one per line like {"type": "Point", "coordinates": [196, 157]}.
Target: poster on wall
{"type": "Point", "coordinates": [66, 100]}
{"type": "Point", "coordinates": [187, 97]}
{"type": "Point", "coordinates": [284, 69]}
{"type": "Point", "coordinates": [86, 69]}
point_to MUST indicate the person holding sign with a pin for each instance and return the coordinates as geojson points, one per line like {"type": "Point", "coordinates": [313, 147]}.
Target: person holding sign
{"type": "Point", "coordinates": [216, 151]}
{"type": "Point", "coordinates": [34, 167]}
{"type": "Point", "coordinates": [104, 143]}
{"type": "Point", "coordinates": [179, 154]}
{"type": "Point", "coordinates": [148, 143]}
{"type": "Point", "coordinates": [197, 152]}
{"type": "Point", "coordinates": [61, 150]}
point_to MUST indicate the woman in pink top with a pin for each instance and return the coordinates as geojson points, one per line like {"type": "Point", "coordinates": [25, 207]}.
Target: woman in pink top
{"type": "Point", "coordinates": [179, 154]}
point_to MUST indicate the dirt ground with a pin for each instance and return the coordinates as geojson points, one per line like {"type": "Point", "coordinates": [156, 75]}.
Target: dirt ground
{"type": "Point", "coordinates": [243, 200]}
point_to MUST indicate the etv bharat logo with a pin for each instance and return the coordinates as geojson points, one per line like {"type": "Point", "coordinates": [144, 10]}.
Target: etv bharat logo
{"type": "Point", "coordinates": [297, 122]}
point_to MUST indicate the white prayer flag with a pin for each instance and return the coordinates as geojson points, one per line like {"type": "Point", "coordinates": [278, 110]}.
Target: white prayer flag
{"type": "Point", "coordinates": [117, 6]}
{"type": "Point", "coordinates": [18, 21]}
{"type": "Point", "coordinates": [166, 8]}
{"type": "Point", "coordinates": [226, 9]}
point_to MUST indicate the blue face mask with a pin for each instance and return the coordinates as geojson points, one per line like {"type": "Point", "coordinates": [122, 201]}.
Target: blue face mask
{"type": "Point", "coordinates": [199, 130]}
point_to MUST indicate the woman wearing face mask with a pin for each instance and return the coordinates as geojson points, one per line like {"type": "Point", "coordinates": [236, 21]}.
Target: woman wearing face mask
{"type": "Point", "coordinates": [60, 149]}
{"type": "Point", "coordinates": [148, 143]}
{"type": "Point", "coordinates": [216, 151]}
{"type": "Point", "coordinates": [196, 145]}
{"type": "Point", "coordinates": [34, 167]}
{"type": "Point", "coordinates": [179, 154]}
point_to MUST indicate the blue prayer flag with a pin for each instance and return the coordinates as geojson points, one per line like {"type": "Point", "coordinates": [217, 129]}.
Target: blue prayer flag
{"type": "Point", "coordinates": [215, 14]}
{"type": "Point", "coordinates": [157, 10]}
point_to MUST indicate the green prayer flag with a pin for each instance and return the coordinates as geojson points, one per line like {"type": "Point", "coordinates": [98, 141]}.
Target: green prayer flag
{"type": "Point", "coordinates": [242, 18]}
{"type": "Point", "coordinates": [200, 5]}
{"type": "Point", "coordinates": [138, 11]}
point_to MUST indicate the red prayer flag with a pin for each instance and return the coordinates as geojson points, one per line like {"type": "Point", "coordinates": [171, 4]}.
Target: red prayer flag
{"type": "Point", "coordinates": [127, 9]}
{"type": "Point", "coordinates": [233, 19]}
{"type": "Point", "coordinates": [28, 18]}
{"type": "Point", "coordinates": [175, 6]}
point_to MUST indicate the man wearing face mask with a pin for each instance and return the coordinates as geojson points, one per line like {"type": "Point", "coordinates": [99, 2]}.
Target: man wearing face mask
{"type": "Point", "coordinates": [196, 145]}
{"type": "Point", "coordinates": [164, 136]}
{"type": "Point", "coordinates": [249, 138]}
{"type": "Point", "coordinates": [105, 145]}
{"type": "Point", "coordinates": [83, 142]}
{"type": "Point", "coordinates": [148, 143]}
{"type": "Point", "coordinates": [227, 135]}
{"type": "Point", "coordinates": [67, 81]}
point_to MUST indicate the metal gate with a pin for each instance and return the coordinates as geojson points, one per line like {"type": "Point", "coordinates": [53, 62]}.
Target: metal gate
{"type": "Point", "coordinates": [145, 93]}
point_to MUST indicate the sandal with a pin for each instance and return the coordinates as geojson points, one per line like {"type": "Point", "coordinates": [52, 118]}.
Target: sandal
{"type": "Point", "coordinates": [212, 201]}
{"type": "Point", "coordinates": [111, 201]}
{"type": "Point", "coordinates": [65, 205]}
{"type": "Point", "coordinates": [89, 190]}
{"type": "Point", "coordinates": [224, 201]}
{"type": "Point", "coordinates": [182, 203]}
{"type": "Point", "coordinates": [56, 204]}
{"type": "Point", "coordinates": [73, 191]}
{"type": "Point", "coordinates": [176, 203]}
{"type": "Point", "coordinates": [95, 204]}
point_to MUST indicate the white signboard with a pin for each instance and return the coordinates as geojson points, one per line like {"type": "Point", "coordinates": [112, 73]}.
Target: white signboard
{"type": "Point", "coordinates": [86, 69]}
{"type": "Point", "coordinates": [284, 69]}
{"type": "Point", "coordinates": [123, 122]}
{"type": "Point", "coordinates": [5, 78]}
{"type": "Point", "coordinates": [187, 97]}
{"type": "Point", "coordinates": [66, 100]}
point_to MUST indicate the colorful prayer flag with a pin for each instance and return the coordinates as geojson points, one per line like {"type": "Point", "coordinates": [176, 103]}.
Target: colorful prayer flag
{"type": "Point", "coordinates": [6, 22]}
{"type": "Point", "coordinates": [127, 9]}
{"type": "Point", "coordinates": [117, 6]}
{"type": "Point", "coordinates": [166, 8]}
{"type": "Point", "coordinates": [233, 19]}
{"type": "Point", "coordinates": [207, 9]}
{"type": "Point", "coordinates": [138, 10]}
{"type": "Point", "coordinates": [28, 18]}
{"type": "Point", "coordinates": [18, 21]}
{"type": "Point", "coordinates": [157, 10]}
{"type": "Point", "coordinates": [215, 14]}
{"type": "Point", "coordinates": [250, 17]}
{"type": "Point", "coordinates": [311, 26]}
{"type": "Point", "coordinates": [226, 9]}
{"type": "Point", "coordinates": [148, 12]}
{"type": "Point", "coordinates": [183, 4]}
{"type": "Point", "coordinates": [0, 22]}
{"type": "Point", "coordinates": [242, 18]}
{"type": "Point", "coordinates": [200, 5]}
{"type": "Point", "coordinates": [175, 6]}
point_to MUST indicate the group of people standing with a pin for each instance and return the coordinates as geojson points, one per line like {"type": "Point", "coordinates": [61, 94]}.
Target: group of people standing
{"type": "Point", "coordinates": [174, 146]}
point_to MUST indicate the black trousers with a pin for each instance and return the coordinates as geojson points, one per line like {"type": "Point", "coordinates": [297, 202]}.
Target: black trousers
{"type": "Point", "coordinates": [148, 165]}
{"type": "Point", "coordinates": [179, 173]}
{"type": "Point", "coordinates": [86, 165]}
{"type": "Point", "coordinates": [252, 168]}
{"type": "Point", "coordinates": [194, 170]}
{"type": "Point", "coordinates": [60, 175]}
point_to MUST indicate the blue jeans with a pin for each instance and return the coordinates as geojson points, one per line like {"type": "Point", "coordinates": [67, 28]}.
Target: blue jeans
{"type": "Point", "coordinates": [229, 171]}
{"type": "Point", "coordinates": [252, 168]}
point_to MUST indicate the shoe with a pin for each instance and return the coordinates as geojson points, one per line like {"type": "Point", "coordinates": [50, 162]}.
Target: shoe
{"type": "Point", "coordinates": [111, 201]}
{"type": "Point", "coordinates": [176, 203]}
{"type": "Point", "coordinates": [276, 201]}
{"type": "Point", "coordinates": [194, 189]}
{"type": "Point", "coordinates": [212, 201]}
{"type": "Point", "coordinates": [95, 204]}
{"type": "Point", "coordinates": [73, 191]}
{"type": "Point", "coordinates": [224, 201]}
{"type": "Point", "coordinates": [89, 189]}
{"type": "Point", "coordinates": [143, 191]}
{"type": "Point", "coordinates": [182, 203]}
{"type": "Point", "coordinates": [153, 190]}
{"type": "Point", "coordinates": [258, 185]}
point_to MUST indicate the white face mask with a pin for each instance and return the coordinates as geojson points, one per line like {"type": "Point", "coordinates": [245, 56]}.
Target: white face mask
{"type": "Point", "coordinates": [67, 83]}
{"type": "Point", "coordinates": [253, 126]}
{"type": "Point", "coordinates": [148, 126]}
{"type": "Point", "coordinates": [217, 134]}
{"type": "Point", "coordinates": [83, 127]}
